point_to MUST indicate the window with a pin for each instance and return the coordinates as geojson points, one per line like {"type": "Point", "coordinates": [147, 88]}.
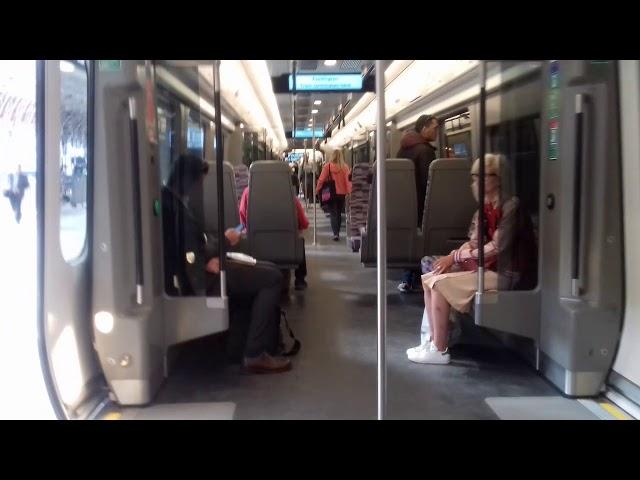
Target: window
{"type": "Point", "coordinates": [73, 158]}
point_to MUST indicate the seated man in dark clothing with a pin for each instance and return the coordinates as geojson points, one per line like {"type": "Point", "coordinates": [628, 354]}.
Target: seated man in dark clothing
{"type": "Point", "coordinates": [192, 266]}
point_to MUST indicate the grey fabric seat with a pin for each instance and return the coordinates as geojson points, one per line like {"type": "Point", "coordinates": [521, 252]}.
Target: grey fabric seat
{"type": "Point", "coordinates": [449, 206]}
{"type": "Point", "coordinates": [358, 203]}
{"type": "Point", "coordinates": [210, 198]}
{"type": "Point", "coordinates": [404, 242]}
{"type": "Point", "coordinates": [272, 219]}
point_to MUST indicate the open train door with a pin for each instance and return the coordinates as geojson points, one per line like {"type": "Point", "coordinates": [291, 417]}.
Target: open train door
{"type": "Point", "coordinates": [578, 299]}
{"type": "Point", "coordinates": [65, 169]}
{"type": "Point", "coordinates": [624, 378]}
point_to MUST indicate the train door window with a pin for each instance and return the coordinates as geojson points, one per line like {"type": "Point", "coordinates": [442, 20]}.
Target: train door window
{"type": "Point", "coordinates": [73, 158]}
{"type": "Point", "coordinates": [458, 145]}
{"type": "Point", "coordinates": [184, 129]}
{"type": "Point", "coordinates": [165, 141]}
{"type": "Point", "coordinates": [195, 135]}
{"type": "Point", "coordinates": [512, 124]}
{"type": "Point", "coordinates": [457, 136]}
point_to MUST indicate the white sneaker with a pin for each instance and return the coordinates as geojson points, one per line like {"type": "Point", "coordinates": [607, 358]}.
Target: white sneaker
{"type": "Point", "coordinates": [422, 346]}
{"type": "Point", "coordinates": [431, 355]}
{"type": "Point", "coordinates": [454, 338]}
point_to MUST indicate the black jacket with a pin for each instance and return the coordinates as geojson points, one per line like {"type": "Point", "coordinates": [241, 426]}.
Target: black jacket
{"type": "Point", "coordinates": [414, 147]}
{"type": "Point", "coordinates": [187, 248]}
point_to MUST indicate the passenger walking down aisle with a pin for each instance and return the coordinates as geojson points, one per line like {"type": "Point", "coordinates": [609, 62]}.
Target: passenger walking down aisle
{"type": "Point", "coordinates": [338, 172]}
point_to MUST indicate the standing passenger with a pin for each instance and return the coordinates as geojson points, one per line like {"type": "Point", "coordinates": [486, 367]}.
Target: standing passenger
{"type": "Point", "coordinates": [339, 172]}
{"type": "Point", "coordinates": [415, 145]}
{"type": "Point", "coordinates": [18, 183]}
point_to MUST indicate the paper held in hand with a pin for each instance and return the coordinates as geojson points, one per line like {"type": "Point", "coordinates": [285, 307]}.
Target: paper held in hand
{"type": "Point", "coordinates": [241, 258]}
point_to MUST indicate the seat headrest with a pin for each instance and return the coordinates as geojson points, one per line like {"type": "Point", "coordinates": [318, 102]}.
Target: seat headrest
{"type": "Point", "coordinates": [450, 164]}
{"type": "Point", "coordinates": [269, 166]}
{"type": "Point", "coordinates": [396, 164]}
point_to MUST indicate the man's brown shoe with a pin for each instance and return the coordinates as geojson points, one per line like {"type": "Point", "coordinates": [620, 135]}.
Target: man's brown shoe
{"type": "Point", "coordinates": [265, 363]}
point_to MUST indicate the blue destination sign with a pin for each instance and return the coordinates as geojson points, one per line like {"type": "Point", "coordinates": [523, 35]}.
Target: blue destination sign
{"type": "Point", "coordinates": [308, 134]}
{"type": "Point", "coordinates": [327, 82]}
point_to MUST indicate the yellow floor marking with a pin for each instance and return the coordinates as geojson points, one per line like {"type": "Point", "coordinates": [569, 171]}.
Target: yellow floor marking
{"type": "Point", "coordinates": [113, 416]}
{"type": "Point", "coordinates": [615, 411]}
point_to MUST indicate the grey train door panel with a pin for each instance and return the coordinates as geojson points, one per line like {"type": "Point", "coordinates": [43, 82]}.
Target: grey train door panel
{"type": "Point", "coordinates": [131, 352]}
{"type": "Point", "coordinates": [581, 227]}
{"type": "Point", "coordinates": [574, 314]}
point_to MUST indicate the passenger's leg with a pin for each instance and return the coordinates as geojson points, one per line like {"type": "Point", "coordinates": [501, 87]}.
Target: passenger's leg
{"type": "Point", "coordinates": [425, 326]}
{"type": "Point", "coordinates": [427, 306]}
{"type": "Point", "coordinates": [18, 209]}
{"type": "Point", "coordinates": [439, 319]}
{"type": "Point", "coordinates": [334, 217]}
{"type": "Point", "coordinates": [301, 271]}
{"type": "Point", "coordinates": [340, 209]}
{"type": "Point", "coordinates": [416, 284]}
{"type": "Point", "coordinates": [13, 202]}
{"type": "Point", "coordinates": [286, 281]}
{"type": "Point", "coordinates": [262, 282]}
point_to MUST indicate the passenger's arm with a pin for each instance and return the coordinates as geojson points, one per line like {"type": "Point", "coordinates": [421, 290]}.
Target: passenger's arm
{"type": "Point", "coordinates": [348, 180]}
{"type": "Point", "coordinates": [323, 177]}
{"type": "Point", "coordinates": [443, 264]}
{"type": "Point", "coordinates": [303, 222]}
{"type": "Point", "coordinates": [244, 204]}
{"type": "Point", "coordinates": [501, 238]}
{"type": "Point", "coordinates": [213, 265]}
{"type": "Point", "coordinates": [233, 236]}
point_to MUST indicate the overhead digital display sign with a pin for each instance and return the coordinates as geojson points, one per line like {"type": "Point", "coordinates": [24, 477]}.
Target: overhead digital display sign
{"type": "Point", "coordinates": [326, 82]}
{"type": "Point", "coordinates": [308, 133]}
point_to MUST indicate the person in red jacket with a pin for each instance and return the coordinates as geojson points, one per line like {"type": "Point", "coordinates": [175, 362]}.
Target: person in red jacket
{"type": "Point", "coordinates": [339, 172]}
{"type": "Point", "coordinates": [303, 224]}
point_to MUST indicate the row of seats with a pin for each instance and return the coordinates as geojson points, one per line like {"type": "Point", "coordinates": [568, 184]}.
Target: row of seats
{"type": "Point", "coordinates": [358, 205]}
{"type": "Point", "coordinates": [273, 231]}
{"type": "Point", "coordinates": [449, 206]}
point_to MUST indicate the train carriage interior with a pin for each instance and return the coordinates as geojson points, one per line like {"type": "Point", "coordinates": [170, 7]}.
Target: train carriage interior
{"type": "Point", "coordinates": [123, 329]}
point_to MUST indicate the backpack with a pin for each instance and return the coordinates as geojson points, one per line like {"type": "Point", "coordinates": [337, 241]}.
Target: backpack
{"type": "Point", "coordinates": [288, 344]}
{"type": "Point", "coordinates": [285, 343]}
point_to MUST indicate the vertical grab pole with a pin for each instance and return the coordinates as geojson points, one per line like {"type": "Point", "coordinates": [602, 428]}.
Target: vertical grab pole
{"type": "Point", "coordinates": [313, 188]}
{"type": "Point", "coordinates": [305, 162]}
{"type": "Point", "coordinates": [219, 179]}
{"type": "Point", "coordinates": [483, 101]}
{"type": "Point", "coordinates": [382, 245]}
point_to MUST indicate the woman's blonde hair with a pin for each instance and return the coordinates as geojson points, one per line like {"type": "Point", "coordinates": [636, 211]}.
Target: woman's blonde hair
{"type": "Point", "coordinates": [495, 163]}
{"type": "Point", "coordinates": [336, 157]}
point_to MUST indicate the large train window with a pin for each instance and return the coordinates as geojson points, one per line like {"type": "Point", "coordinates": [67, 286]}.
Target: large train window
{"type": "Point", "coordinates": [512, 130]}
{"type": "Point", "coordinates": [166, 140]}
{"type": "Point", "coordinates": [73, 158]}
{"type": "Point", "coordinates": [185, 124]}
{"type": "Point", "coordinates": [195, 135]}
{"type": "Point", "coordinates": [457, 136]}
